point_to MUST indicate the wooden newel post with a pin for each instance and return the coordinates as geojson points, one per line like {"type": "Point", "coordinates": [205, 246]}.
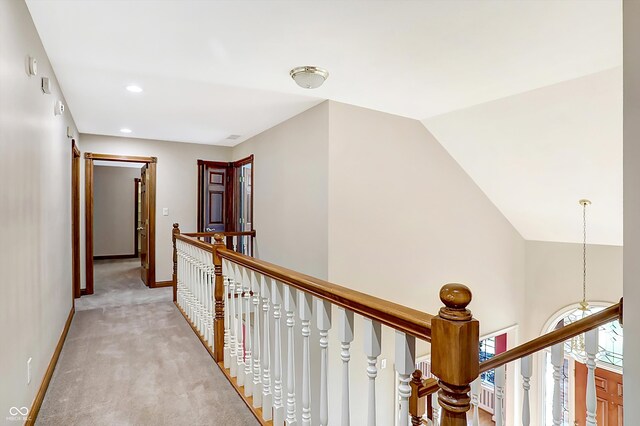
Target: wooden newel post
{"type": "Point", "coordinates": [218, 321]}
{"type": "Point", "coordinates": [416, 404]}
{"type": "Point", "coordinates": [174, 232]}
{"type": "Point", "coordinates": [454, 353]}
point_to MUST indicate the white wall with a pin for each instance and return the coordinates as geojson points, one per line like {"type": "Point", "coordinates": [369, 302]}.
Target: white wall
{"type": "Point", "coordinates": [405, 219]}
{"type": "Point", "coordinates": [631, 35]}
{"type": "Point", "coordinates": [177, 183]}
{"type": "Point", "coordinates": [290, 191]}
{"type": "Point", "coordinates": [35, 211]}
{"type": "Point", "coordinates": [114, 210]}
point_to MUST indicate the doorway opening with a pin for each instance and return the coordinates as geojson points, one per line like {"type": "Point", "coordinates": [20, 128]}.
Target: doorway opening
{"type": "Point", "coordinates": [225, 199]}
{"type": "Point", "coordinates": [138, 237]}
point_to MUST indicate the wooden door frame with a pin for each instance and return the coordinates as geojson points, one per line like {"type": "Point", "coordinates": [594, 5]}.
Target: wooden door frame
{"type": "Point", "coordinates": [136, 214]}
{"type": "Point", "coordinates": [89, 158]}
{"type": "Point", "coordinates": [230, 197]}
{"type": "Point", "coordinates": [75, 218]}
{"type": "Point", "coordinates": [202, 164]}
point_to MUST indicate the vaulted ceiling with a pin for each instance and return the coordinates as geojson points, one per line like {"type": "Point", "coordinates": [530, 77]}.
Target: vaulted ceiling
{"type": "Point", "coordinates": [526, 95]}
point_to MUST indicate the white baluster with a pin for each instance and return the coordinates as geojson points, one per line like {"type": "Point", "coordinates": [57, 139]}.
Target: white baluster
{"type": "Point", "coordinates": [591, 348]}
{"type": "Point", "coordinates": [304, 310]}
{"type": "Point", "coordinates": [290, 307]}
{"type": "Point", "coordinates": [257, 385]}
{"type": "Point", "coordinates": [405, 366]}
{"type": "Point", "coordinates": [372, 349]}
{"type": "Point", "coordinates": [557, 360]}
{"type": "Point", "coordinates": [227, 330]}
{"type": "Point", "coordinates": [278, 407]}
{"type": "Point", "coordinates": [436, 409]}
{"type": "Point", "coordinates": [267, 397]}
{"type": "Point", "coordinates": [526, 370]}
{"type": "Point", "coordinates": [240, 328]}
{"type": "Point", "coordinates": [210, 296]}
{"type": "Point", "coordinates": [500, 373]}
{"type": "Point", "coordinates": [233, 327]}
{"type": "Point", "coordinates": [346, 337]}
{"type": "Point", "coordinates": [323, 312]}
{"type": "Point", "coordinates": [475, 400]}
{"type": "Point", "coordinates": [248, 360]}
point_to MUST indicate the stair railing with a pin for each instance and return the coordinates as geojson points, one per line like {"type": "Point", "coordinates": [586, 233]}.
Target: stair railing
{"type": "Point", "coordinates": [245, 312]}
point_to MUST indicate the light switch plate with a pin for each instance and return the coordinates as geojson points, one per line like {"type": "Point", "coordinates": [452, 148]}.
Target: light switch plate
{"type": "Point", "coordinates": [165, 211]}
{"type": "Point", "coordinates": [29, 371]}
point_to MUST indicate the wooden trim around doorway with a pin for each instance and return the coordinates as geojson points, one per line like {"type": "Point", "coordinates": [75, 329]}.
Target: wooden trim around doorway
{"type": "Point", "coordinates": [136, 190]}
{"type": "Point", "coordinates": [75, 218]}
{"type": "Point", "coordinates": [89, 158]}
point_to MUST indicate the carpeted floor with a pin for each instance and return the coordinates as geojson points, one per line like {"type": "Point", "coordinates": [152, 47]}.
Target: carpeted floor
{"type": "Point", "coordinates": [117, 283]}
{"type": "Point", "coordinates": [138, 364]}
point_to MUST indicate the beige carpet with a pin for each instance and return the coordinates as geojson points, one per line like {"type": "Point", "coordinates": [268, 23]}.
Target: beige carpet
{"type": "Point", "coordinates": [117, 283]}
{"type": "Point", "coordinates": [138, 364]}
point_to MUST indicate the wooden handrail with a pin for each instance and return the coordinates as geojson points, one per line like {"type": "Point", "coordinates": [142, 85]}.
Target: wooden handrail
{"type": "Point", "coordinates": [195, 242]}
{"type": "Point", "coordinates": [225, 234]}
{"type": "Point", "coordinates": [402, 318]}
{"type": "Point", "coordinates": [557, 336]}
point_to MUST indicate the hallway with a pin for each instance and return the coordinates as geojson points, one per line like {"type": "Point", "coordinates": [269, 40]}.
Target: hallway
{"type": "Point", "coordinates": [131, 359]}
{"type": "Point", "coordinates": [117, 283]}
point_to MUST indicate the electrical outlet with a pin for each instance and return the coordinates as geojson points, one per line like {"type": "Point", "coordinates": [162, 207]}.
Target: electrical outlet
{"type": "Point", "coordinates": [29, 370]}
{"type": "Point", "coordinates": [383, 363]}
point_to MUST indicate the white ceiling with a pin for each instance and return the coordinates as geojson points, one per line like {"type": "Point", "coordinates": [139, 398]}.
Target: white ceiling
{"type": "Point", "coordinates": [210, 69]}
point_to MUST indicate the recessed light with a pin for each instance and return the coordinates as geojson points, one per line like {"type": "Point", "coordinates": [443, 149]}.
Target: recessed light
{"type": "Point", "coordinates": [133, 88]}
{"type": "Point", "coordinates": [125, 130]}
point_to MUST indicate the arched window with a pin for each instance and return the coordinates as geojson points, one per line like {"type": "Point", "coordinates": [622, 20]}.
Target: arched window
{"type": "Point", "coordinates": [609, 355]}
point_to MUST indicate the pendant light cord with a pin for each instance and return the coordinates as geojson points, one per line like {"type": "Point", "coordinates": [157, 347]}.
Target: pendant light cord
{"type": "Point", "coordinates": [584, 252]}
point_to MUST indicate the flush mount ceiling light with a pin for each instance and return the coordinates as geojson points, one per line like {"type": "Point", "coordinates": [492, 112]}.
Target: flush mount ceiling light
{"type": "Point", "coordinates": [125, 130]}
{"type": "Point", "coordinates": [309, 77]}
{"type": "Point", "coordinates": [133, 88]}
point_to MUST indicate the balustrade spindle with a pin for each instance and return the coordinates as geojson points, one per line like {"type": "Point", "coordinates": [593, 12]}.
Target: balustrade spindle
{"type": "Point", "coordinates": [304, 310]}
{"type": "Point", "coordinates": [500, 373]}
{"type": "Point", "coordinates": [227, 307]}
{"type": "Point", "coordinates": [526, 370]}
{"type": "Point", "coordinates": [323, 312]}
{"type": "Point", "coordinates": [267, 397]}
{"type": "Point", "coordinates": [257, 385]}
{"type": "Point", "coordinates": [591, 348]}
{"type": "Point", "coordinates": [208, 294]}
{"type": "Point", "coordinates": [475, 401]}
{"type": "Point", "coordinates": [239, 326]}
{"type": "Point", "coordinates": [233, 326]}
{"type": "Point", "coordinates": [557, 361]}
{"type": "Point", "coordinates": [372, 349]}
{"type": "Point", "coordinates": [248, 330]}
{"type": "Point", "coordinates": [290, 307]}
{"type": "Point", "coordinates": [346, 337]}
{"type": "Point", "coordinates": [278, 407]}
{"type": "Point", "coordinates": [405, 366]}
{"type": "Point", "coordinates": [436, 409]}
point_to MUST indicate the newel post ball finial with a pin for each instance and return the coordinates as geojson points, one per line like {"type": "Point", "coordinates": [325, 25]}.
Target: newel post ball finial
{"type": "Point", "coordinates": [218, 238]}
{"type": "Point", "coordinates": [456, 298]}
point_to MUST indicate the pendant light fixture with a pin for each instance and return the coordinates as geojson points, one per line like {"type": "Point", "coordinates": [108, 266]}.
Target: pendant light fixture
{"type": "Point", "coordinates": [577, 343]}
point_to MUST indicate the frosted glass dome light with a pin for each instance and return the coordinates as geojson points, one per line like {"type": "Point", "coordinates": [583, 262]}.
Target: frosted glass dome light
{"type": "Point", "coordinates": [309, 77]}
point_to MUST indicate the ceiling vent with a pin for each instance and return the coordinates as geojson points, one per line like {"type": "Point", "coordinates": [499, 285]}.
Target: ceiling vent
{"type": "Point", "coordinates": [233, 137]}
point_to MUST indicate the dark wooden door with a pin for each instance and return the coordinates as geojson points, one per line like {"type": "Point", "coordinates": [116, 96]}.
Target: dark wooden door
{"type": "Point", "coordinates": [608, 397]}
{"type": "Point", "coordinates": [215, 199]}
{"type": "Point", "coordinates": [144, 225]}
